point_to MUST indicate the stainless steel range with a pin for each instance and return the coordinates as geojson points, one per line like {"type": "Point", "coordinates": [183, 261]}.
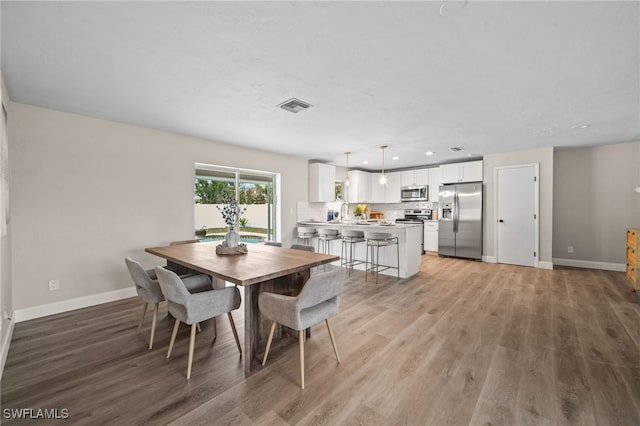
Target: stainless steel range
{"type": "Point", "coordinates": [417, 216]}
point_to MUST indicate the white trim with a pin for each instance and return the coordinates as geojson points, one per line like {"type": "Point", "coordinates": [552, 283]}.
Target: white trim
{"type": "Point", "coordinates": [591, 264]}
{"type": "Point", "coordinates": [545, 265]}
{"type": "Point", "coordinates": [6, 343]}
{"type": "Point", "coordinates": [72, 304]}
{"type": "Point", "coordinates": [541, 264]}
{"type": "Point", "coordinates": [536, 171]}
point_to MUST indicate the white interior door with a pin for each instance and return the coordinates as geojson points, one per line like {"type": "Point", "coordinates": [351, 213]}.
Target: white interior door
{"type": "Point", "coordinates": [517, 214]}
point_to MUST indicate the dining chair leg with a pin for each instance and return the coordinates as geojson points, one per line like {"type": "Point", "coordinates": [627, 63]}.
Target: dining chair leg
{"type": "Point", "coordinates": [144, 312]}
{"type": "Point", "coordinates": [153, 325]}
{"type": "Point", "coordinates": [192, 345]}
{"type": "Point", "coordinates": [198, 326]}
{"type": "Point", "coordinates": [266, 351]}
{"type": "Point", "coordinates": [235, 332]}
{"type": "Point", "coordinates": [173, 336]}
{"type": "Point", "coordinates": [333, 340]}
{"type": "Point", "coordinates": [301, 344]}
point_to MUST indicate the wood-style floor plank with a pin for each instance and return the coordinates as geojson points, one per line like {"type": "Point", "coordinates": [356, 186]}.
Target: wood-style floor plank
{"type": "Point", "coordinates": [460, 343]}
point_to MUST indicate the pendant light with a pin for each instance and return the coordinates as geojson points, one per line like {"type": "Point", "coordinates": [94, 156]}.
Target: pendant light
{"type": "Point", "coordinates": [346, 180]}
{"type": "Point", "coordinates": [383, 177]}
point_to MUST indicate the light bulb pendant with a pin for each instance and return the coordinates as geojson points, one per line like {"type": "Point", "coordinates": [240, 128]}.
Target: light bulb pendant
{"type": "Point", "coordinates": [383, 177]}
{"type": "Point", "coordinates": [347, 182]}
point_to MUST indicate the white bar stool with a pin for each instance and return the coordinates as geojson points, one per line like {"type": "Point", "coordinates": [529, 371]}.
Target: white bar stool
{"type": "Point", "coordinates": [325, 237]}
{"type": "Point", "coordinates": [349, 240]}
{"type": "Point", "coordinates": [306, 233]}
{"type": "Point", "coordinates": [375, 240]}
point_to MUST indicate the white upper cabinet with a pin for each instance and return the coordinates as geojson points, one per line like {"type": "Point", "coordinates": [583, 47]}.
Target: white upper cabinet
{"type": "Point", "coordinates": [392, 190]}
{"type": "Point", "coordinates": [322, 181]}
{"type": "Point", "coordinates": [360, 189]}
{"type": "Point", "coordinates": [435, 176]}
{"type": "Point", "coordinates": [419, 177]}
{"type": "Point", "coordinates": [388, 193]}
{"type": "Point", "coordinates": [377, 189]}
{"type": "Point", "coordinates": [472, 171]}
{"type": "Point", "coordinates": [462, 172]}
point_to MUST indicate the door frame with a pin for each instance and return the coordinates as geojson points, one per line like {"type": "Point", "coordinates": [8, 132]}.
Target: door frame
{"type": "Point", "coordinates": [536, 191]}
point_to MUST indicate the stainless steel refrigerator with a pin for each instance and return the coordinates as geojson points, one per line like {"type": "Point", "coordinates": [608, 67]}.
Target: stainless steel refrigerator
{"type": "Point", "coordinates": [460, 225]}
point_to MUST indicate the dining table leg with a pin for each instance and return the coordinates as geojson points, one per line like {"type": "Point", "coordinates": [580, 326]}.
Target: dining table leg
{"type": "Point", "coordinates": [256, 329]}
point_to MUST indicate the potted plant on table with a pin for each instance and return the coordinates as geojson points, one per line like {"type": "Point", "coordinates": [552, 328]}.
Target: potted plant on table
{"type": "Point", "coordinates": [231, 212]}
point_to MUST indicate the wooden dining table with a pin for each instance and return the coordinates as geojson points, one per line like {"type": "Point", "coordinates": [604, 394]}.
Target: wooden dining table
{"type": "Point", "coordinates": [263, 268]}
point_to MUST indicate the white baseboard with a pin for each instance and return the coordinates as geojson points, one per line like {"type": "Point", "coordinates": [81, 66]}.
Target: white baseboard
{"type": "Point", "coordinates": [494, 259]}
{"type": "Point", "coordinates": [545, 265]}
{"type": "Point", "coordinates": [72, 304]}
{"type": "Point", "coordinates": [5, 344]}
{"type": "Point", "coordinates": [589, 264]}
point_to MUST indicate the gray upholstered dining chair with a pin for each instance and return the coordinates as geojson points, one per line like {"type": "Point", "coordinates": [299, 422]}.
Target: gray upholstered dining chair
{"type": "Point", "coordinates": [303, 247]}
{"type": "Point", "coordinates": [273, 243]}
{"type": "Point", "coordinates": [195, 308]}
{"type": "Point", "coordinates": [149, 290]}
{"type": "Point", "coordinates": [318, 300]}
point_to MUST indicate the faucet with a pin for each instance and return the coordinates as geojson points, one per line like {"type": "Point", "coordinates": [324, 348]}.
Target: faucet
{"type": "Point", "coordinates": [344, 212]}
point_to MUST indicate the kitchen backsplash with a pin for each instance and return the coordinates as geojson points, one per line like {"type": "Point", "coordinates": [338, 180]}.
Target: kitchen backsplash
{"type": "Point", "coordinates": [318, 211]}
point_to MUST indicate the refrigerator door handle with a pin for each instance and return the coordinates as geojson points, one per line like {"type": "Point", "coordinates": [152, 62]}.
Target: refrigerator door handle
{"type": "Point", "coordinates": [456, 212]}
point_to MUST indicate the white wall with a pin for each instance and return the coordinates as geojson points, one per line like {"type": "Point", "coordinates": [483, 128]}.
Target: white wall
{"type": "Point", "coordinates": [6, 302]}
{"type": "Point", "coordinates": [209, 216]}
{"type": "Point", "coordinates": [88, 192]}
{"type": "Point", "coordinates": [545, 158]}
{"type": "Point", "coordinates": [594, 204]}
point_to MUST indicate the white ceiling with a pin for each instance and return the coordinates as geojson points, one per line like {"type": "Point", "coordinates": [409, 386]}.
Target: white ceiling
{"type": "Point", "coordinates": [416, 76]}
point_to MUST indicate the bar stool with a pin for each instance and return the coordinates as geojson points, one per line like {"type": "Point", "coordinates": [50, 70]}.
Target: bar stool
{"type": "Point", "coordinates": [349, 240]}
{"type": "Point", "coordinates": [306, 233]}
{"type": "Point", "coordinates": [375, 240]}
{"type": "Point", "coordinates": [325, 237]}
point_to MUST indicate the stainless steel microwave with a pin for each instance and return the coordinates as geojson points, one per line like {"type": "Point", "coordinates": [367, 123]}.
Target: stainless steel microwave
{"type": "Point", "coordinates": [414, 193]}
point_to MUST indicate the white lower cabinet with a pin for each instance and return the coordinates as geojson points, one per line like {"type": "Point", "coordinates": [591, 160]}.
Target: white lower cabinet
{"type": "Point", "coordinates": [431, 236]}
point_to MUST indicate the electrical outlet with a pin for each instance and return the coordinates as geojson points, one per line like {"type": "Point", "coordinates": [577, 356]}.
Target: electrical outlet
{"type": "Point", "coordinates": [570, 249]}
{"type": "Point", "coordinates": [54, 285]}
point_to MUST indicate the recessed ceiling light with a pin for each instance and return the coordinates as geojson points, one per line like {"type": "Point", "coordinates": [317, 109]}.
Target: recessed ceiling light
{"type": "Point", "coordinates": [429, 153]}
{"type": "Point", "coordinates": [396, 158]}
{"type": "Point", "coordinates": [294, 105]}
{"type": "Point", "coordinates": [582, 126]}
{"type": "Point", "coordinates": [365, 162]}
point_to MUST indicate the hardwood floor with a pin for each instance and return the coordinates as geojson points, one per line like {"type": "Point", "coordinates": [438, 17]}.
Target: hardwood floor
{"type": "Point", "coordinates": [460, 343]}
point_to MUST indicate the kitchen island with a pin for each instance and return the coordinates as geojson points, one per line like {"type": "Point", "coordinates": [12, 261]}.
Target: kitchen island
{"type": "Point", "coordinates": [409, 240]}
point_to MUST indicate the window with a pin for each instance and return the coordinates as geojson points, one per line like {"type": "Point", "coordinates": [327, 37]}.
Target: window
{"type": "Point", "coordinates": [253, 189]}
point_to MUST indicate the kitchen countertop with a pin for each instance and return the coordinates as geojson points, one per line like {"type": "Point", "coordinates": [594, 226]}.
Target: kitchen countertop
{"type": "Point", "coordinates": [407, 255]}
{"type": "Point", "coordinates": [367, 225]}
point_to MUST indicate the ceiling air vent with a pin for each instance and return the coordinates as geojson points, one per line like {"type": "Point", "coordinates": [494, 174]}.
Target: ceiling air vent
{"type": "Point", "coordinates": [456, 148]}
{"type": "Point", "coordinates": [294, 105]}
